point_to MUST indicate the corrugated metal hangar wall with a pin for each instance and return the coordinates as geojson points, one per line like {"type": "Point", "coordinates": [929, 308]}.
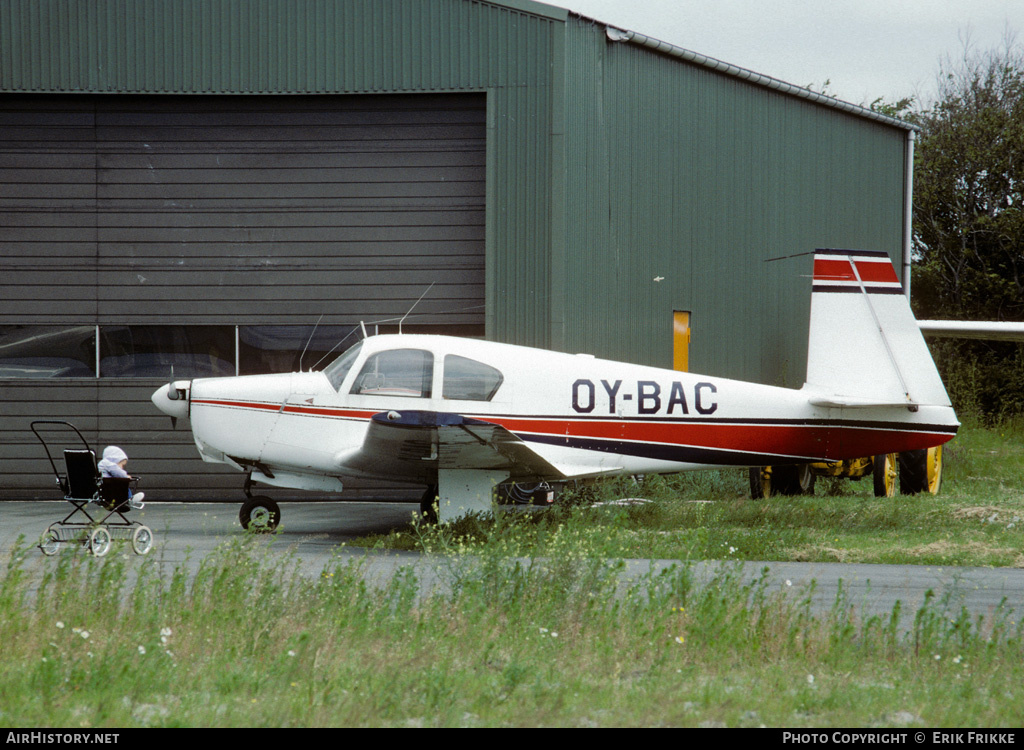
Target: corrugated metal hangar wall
{"type": "Point", "coordinates": [199, 184]}
{"type": "Point", "coordinates": [680, 173]}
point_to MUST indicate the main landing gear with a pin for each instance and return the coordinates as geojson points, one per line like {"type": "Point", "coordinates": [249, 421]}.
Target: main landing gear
{"type": "Point", "coordinates": [459, 492]}
{"type": "Point", "coordinates": [908, 473]}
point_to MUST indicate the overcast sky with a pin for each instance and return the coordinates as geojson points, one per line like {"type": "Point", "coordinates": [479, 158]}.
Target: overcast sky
{"type": "Point", "coordinates": [865, 48]}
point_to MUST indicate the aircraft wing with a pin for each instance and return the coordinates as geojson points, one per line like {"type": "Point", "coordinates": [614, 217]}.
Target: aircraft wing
{"type": "Point", "coordinates": [973, 329]}
{"type": "Point", "coordinates": [414, 445]}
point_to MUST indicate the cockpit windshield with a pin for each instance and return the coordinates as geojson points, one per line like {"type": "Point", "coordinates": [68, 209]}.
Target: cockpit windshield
{"type": "Point", "coordinates": [338, 369]}
{"type": "Point", "coordinates": [397, 372]}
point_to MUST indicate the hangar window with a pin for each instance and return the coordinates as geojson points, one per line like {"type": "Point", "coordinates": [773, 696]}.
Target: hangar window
{"type": "Point", "coordinates": [469, 380]}
{"type": "Point", "coordinates": [47, 352]}
{"type": "Point", "coordinates": [399, 372]}
{"type": "Point", "coordinates": [265, 349]}
{"type": "Point", "coordinates": [151, 351]}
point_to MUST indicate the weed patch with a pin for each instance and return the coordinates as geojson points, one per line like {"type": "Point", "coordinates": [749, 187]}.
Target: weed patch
{"type": "Point", "coordinates": [975, 520]}
{"type": "Point", "coordinates": [528, 641]}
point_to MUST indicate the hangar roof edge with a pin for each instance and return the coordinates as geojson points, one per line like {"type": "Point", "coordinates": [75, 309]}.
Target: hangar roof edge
{"type": "Point", "coordinates": [634, 37]}
{"type": "Point", "coordinates": [531, 6]}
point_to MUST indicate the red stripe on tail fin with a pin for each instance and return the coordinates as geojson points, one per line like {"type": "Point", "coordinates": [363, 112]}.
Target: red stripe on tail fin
{"type": "Point", "coordinates": [833, 269]}
{"type": "Point", "coordinates": [876, 272]}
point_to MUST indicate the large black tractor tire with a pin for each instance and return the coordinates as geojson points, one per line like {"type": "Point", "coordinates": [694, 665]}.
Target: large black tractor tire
{"type": "Point", "coordinates": [914, 472]}
{"type": "Point", "coordinates": [885, 472]}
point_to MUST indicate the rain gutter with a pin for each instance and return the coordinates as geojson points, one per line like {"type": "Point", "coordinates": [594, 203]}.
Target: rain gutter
{"type": "Point", "coordinates": [908, 210]}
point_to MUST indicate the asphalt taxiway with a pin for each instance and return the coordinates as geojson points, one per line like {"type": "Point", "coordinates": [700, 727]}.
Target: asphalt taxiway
{"type": "Point", "coordinates": [320, 534]}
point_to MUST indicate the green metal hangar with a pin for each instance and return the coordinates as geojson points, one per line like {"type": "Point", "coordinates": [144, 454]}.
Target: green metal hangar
{"type": "Point", "coordinates": [199, 184]}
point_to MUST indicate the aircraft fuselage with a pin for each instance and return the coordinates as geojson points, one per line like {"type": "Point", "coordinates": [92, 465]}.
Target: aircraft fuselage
{"type": "Point", "coordinates": [595, 416]}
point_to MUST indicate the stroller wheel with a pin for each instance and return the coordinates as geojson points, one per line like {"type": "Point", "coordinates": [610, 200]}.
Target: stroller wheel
{"type": "Point", "coordinates": [142, 540]}
{"type": "Point", "coordinates": [99, 541]}
{"type": "Point", "coordinates": [50, 543]}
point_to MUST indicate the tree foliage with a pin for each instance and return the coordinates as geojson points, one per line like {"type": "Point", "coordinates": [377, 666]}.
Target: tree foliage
{"type": "Point", "coordinates": [968, 185]}
{"type": "Point", "coordinates": [969, 223]}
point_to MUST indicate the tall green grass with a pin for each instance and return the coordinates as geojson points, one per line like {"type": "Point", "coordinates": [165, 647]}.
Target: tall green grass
{"type": "Point", "coordinates": [248, 641]}
{"type": "Point", "coordinates": [976, 519]}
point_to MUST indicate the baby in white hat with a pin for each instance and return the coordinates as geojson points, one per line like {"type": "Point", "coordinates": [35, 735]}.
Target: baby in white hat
{"type": "Point", "coordinates": [113, 465]}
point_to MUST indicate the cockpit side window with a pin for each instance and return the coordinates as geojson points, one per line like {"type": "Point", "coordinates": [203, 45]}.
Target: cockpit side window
{"type": "Point", "coordinates": [399, 372]}
{"type": "Point", "coordinates": [469, 380]}
{"type": "Point", "coordinates": [338, 369]}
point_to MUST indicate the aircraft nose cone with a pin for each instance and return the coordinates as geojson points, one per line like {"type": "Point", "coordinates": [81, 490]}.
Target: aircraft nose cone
{"type": "Point", "coordinates": [162, 400]}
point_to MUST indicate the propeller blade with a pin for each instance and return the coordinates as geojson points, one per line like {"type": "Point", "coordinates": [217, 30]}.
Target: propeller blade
{"type": "Point", "coordinates": [172, 392]}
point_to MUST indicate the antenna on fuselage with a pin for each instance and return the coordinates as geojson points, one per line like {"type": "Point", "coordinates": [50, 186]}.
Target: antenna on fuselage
{"type": "Point", "coordinates": [335, 347]}
{"type": "Point", "coordinates": [414, 305]}
{"type": "Point", "coordinates": [309, 340]}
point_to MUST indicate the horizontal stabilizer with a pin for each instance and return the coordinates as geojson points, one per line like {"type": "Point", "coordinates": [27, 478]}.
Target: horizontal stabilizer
{"type": "Point", "coordinates": [986, 330]}
{"type": "Point", "coordinates": [848, 402]}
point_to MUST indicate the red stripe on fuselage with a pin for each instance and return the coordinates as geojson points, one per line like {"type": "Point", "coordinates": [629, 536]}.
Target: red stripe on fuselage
{"type": "Point", "coordinates": [789, 439]}
{"type": "Point", "coordinates": [319, 411]}
{"type": "Point", "coordinates": [236, 404]}
{"type": "Point", "coordinates": [810, 441]}
{"type": "Point", "coordinates": [313, 411]}
{"type": "Point", "coordinates": [819, 441]}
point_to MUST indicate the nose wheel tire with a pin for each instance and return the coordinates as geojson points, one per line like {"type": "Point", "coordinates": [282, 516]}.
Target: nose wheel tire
{"type": "Point", "coordinates": [259, 514]}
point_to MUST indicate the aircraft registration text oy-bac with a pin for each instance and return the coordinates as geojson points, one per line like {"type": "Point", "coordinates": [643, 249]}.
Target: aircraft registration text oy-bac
{"type": "Point", "coordinates": [459, 416]}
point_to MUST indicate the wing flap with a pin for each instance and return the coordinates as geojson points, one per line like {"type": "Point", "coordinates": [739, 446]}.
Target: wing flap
{"type": "Point", "coordinates": [414, 445]}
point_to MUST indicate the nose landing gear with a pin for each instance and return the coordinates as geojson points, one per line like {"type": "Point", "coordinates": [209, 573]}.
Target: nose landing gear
{"type": "Point", "coordinates": [259, 513]}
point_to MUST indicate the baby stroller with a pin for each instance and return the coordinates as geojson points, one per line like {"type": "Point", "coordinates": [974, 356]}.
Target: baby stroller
{"type": "Point", "coordinates": [97, 518]}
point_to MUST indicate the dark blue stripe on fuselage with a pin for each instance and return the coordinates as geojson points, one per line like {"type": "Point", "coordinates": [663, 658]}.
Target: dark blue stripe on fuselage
{"type": "Point", "coordinates": [661, 452]}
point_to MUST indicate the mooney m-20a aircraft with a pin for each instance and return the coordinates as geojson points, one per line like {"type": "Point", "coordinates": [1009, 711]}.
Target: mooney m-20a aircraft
{"type": "Point", "coordinates": [460, 416]}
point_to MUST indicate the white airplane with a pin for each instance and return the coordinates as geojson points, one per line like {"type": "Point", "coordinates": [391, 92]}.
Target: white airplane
{"type": "Point", "coordinates": [460, 415]}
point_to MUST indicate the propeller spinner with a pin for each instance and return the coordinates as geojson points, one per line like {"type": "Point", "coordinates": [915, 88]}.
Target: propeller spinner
{"type": "Point", "coordinates": [172, 399]}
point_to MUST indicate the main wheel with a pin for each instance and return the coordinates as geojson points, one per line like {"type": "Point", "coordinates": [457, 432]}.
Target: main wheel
{"type": "Point", "coordinates": [142, 540]}
{"type": "Point", "coordinates": [804, 480]}
{"type": "Point", "coordinates": [793, 479]}
{"type": "Point", "coordinates": [914, 472]}
{"type": "Point", "coordinates": [259, 514]}
{"type": "Point", "coordinates": [885, 471]}
{"type": "Point", "coordinates": [760, 482]}
{"type": "Point", "coordinates": [428, 506]}
{"type": "Point", "coordinates": [50, 543]}
{"type": "Point", "coordinates": [99, 541]}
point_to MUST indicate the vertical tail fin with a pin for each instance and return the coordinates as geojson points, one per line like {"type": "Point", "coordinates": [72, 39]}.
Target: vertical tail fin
{"type": "Point", "coordinates": [865, 347]}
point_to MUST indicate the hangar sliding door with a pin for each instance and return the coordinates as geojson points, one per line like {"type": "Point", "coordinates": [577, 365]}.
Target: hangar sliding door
{"type": "Point", "coordinates": [207, 214]}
